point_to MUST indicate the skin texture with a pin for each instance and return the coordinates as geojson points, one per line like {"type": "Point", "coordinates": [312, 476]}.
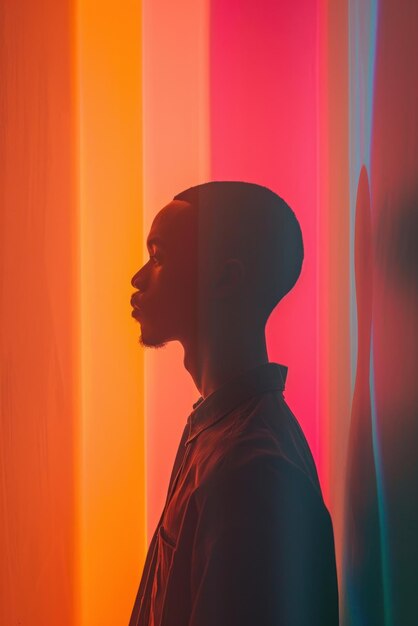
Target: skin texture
{"type": "Point", "coordinates": [189, 293]}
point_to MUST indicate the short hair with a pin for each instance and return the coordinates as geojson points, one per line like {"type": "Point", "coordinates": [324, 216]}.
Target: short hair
{"type": "Point", "coordinates": [255, 224]}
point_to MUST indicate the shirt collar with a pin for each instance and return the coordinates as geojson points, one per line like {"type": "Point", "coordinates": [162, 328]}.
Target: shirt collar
{"type": "Point", "coordinates": [207, 411]}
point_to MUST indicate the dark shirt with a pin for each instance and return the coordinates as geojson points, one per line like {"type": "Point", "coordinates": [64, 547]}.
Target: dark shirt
{"type": "Point", "coordinates": [245, 537]}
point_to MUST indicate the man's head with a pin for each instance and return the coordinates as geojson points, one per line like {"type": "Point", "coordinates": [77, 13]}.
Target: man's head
{"type": "Point", "coordinates": [218, 250]}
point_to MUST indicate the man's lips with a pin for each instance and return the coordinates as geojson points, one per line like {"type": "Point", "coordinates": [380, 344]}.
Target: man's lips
{"type": "Point", "coordinates": [135, 300]}
{"type": "Point", "coordinates": [136, 313]}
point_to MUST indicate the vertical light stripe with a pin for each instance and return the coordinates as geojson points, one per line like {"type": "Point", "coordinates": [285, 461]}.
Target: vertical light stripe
{"type": "Point", "coordinates": [111, 487]}
{"type": "Point", "coordinates": [38, 314]}
{"type": "Point", "coordinates": [335, 293]}
{"type": "Point", "coordinates": [176, 156]}
{"type": "Point", "coordinates": [264, 111]}
{"type": "Point", "coordinates": [362, 51]}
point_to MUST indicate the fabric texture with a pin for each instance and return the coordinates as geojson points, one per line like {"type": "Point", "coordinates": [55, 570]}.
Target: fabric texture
{"type": "Point", "coordinates": [244, 537]}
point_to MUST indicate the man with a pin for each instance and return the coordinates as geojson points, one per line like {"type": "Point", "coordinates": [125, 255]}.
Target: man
{"type": "Point", "coordinates": [244, 538]}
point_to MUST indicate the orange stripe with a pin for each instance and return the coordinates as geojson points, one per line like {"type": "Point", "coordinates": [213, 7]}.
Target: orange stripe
{"type": "Point", "coordinates": [111, 487]}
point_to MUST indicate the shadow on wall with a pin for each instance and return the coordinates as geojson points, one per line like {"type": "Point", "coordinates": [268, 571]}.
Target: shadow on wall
{"type": "Point", "coordinates": [381, 543]}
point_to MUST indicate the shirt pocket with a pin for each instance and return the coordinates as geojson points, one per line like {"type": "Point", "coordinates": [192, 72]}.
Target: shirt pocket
{"type": "Point", "coordinates": [166, 548]}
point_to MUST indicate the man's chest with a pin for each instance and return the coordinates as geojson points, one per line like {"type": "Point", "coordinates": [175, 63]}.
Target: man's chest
{"type": "Point", "coordinates": [201, 458]}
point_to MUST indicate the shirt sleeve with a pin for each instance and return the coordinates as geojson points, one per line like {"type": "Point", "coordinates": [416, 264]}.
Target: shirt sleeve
{"type": "Point", "coordinates": [263, 550]}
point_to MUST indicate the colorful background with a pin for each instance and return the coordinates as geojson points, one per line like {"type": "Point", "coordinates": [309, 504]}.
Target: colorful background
{"type": "Point", "coordinates": [107, 111]}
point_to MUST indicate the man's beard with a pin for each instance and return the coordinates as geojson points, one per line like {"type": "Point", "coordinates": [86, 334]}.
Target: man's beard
{"type": "Point", "coordinates": [149, 344]}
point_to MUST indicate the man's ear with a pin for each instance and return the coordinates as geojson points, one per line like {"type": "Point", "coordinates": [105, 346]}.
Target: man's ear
{"type": "Point", "coordinates": [229, 278]}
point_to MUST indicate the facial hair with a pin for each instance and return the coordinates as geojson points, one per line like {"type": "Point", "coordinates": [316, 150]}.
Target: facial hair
{"type": "Point", "coordinates": [146, 344]}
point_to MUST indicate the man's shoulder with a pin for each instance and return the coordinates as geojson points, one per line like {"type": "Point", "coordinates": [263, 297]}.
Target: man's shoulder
{"type": "Point", "coordinates": [259, 477]}
{"type": "Point", "coordinates": [260, 442]}
{"type": "Point", "coordinates": [264, 436]}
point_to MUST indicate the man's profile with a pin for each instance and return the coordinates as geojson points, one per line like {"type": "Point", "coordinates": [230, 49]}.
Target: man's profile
{"type": "Point", "coordinates": [244, 537]}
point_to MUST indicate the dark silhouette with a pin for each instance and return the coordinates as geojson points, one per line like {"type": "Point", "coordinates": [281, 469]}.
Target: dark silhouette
{"type": "Point", "coordinates": [245, 537]}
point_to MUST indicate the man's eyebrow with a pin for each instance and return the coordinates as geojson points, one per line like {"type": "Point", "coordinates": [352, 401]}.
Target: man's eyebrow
{"type": "Point", "coordinates": [155, 240]}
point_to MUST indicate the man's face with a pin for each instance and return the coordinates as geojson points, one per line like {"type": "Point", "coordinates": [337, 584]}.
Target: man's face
{"type": "Point", "coordinates": [166, 301]}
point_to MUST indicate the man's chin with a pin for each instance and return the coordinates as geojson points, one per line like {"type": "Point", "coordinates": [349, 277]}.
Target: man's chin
{"type": "Point", "coordinates": [148, 342]}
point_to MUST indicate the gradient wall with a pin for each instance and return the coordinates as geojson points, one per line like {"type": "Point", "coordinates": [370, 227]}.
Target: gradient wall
{"type": "Point", "coordinates": [380, 544]}
{"type": "Point", "coordinates": [39, 319]}
{"type": "Point", "coordinates": [72, 505]}
{"type": "Point", "coordinates": [106, 113]}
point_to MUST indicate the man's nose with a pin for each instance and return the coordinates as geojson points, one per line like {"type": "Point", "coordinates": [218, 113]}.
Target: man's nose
{"type": "Point", "coordinates": [138, 280]}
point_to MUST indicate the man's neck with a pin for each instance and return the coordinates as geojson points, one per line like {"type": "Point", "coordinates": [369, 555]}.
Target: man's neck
{"type": "Point", "coordinates": [218, 362]}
